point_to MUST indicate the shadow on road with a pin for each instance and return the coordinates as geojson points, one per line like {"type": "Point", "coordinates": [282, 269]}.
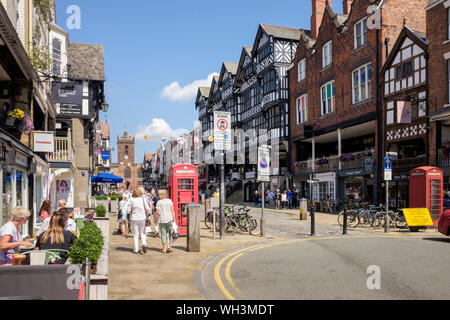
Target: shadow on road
{"type": "Point", "coordinates": [445, 240]}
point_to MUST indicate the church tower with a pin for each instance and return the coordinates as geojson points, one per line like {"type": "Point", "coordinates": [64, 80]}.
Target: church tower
{"type": "Point", "coordinates": [125, 149]}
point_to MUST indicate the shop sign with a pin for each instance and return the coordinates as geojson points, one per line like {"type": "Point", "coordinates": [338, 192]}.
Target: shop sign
{"type": "Point", "coordinates": [349, 173]}
{"type": "Point", "coordinates": [70, 110]}
{"type": "Point", "coordinates": [418, 217]}
{"type": "Point", "coordinates": [368, 164]}
{"type": "Point", "coordinates": [44, 142]}
{"type": "Point", "coordinates": [105, 155]}
{"type": "Point", "coordinates": [68, 93]}
{"type": "Point", "coordinates": [250, 175]}
{"type": "Point", "coordinates": [236, 176]}
{"type": "Point", "coordinates": [401, 177]}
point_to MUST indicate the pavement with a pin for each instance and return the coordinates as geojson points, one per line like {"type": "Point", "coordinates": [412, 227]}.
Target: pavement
{"type": "Point", "coordinates": [158, 276]}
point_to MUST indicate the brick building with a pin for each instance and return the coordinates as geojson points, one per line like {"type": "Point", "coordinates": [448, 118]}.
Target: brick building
{"type": "Point", "coordinates": [335, 102]}
{"type": "Point", "coordinates": [438, 34]}
{"type": "Point", "coordinates": [126, 168]}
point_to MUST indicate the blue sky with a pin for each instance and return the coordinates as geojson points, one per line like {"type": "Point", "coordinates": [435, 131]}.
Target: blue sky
{"type": "Point", "coordinates": [154, 46]}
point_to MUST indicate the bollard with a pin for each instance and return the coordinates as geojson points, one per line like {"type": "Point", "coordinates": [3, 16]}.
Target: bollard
{"type": "Point", "coordinates": [193, 228]}
{"type": "Point", "coordinates": [345, 221]}
{"type": "Point", "coordinates": [303, 209]}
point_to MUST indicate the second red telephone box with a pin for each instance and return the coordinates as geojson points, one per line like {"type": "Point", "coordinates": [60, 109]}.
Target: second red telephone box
{"type": "Point", "coordinates": [426, 190]}
{"type": "Point", "coordinates": [183, 190]}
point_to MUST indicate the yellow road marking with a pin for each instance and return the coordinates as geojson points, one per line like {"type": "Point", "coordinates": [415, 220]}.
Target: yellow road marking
{"type": "Point", "coordinates": [240, 253]}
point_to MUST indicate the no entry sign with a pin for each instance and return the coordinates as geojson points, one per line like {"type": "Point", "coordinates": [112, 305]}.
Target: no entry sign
{"type": "Point", "coordinates": [222, 131]}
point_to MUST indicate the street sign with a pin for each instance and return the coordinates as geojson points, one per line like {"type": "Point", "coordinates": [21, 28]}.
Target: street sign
{"type": "Point", "coordinates": [387, 169]}
{"type": "Point", "coordinates": [222, 131]}
{"type": "Point", "coordinates": [264, 164]}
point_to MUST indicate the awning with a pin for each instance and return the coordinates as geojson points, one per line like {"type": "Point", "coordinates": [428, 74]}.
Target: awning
{"type": "Point", "coordinates": [441, 115]}
{"type": "Point", "coordinates": [106, 178]}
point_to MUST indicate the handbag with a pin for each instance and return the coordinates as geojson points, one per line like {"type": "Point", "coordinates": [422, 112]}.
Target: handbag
{"type": "Point", "coordinates": [148, 221]}
{"type": "Point", "coordinates": [174, 232]}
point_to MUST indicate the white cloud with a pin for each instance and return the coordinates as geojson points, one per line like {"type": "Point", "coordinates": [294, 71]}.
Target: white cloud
{"type": "Point", "coordinates": [156, 130]}
{"type": "Point", "coordinates": [174, 92]}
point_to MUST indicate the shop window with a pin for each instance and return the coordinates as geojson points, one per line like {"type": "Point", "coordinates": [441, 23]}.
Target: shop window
{"type": "Point", "coordinates": [19, 191]}
{"type": "Point", "coordinates": [7, 197]}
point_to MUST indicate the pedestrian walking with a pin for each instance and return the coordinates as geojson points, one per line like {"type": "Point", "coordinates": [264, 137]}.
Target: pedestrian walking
{"type": "Point", "coordinates": [155, 199]}
{"type": "Point", "coordinates": [295, 199]}
{"type": "Point", "coordinates": [139, 212]}
{"type": "Point", "coordinates": [284, 201]}
{"type": "Point", "coordinates": [123, 217]}
{"type": "Point", "coordinates": [278, 197]}
{"type": "Point", "coordinates": [166, 216]}
{"type": "Point", "coordinates": [45, 210]}
{"type": "Point", "coordinates": [289, 198]}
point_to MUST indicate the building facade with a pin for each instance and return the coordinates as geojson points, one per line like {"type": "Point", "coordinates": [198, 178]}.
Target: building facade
{"type": "Point", "coordinates": [438, 35]}
{"type": "Point", "coordinates": [336, 102]}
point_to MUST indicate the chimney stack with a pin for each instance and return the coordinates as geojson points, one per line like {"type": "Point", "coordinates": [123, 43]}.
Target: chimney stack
{"type": "Point", "coordinates": [318, 10]}
{"type": "Point", "coordinates": [347, 5]}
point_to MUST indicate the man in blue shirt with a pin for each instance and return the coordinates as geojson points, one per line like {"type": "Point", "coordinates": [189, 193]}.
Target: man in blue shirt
{"type": "Point", "coordinates": [289, 198]}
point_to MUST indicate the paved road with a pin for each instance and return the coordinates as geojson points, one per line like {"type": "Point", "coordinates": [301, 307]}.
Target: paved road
{"type": "Point", "coordinates": [331, 268]}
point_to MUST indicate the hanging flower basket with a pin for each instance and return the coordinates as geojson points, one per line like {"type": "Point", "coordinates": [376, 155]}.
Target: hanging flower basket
{"type": "Point", "coordinates": [322, 161]}
{"type": "Point", "coordinates": [301, 165]}
{"type": "Point", "coordinates": [10, 121]}
{"type": "Point", "coordinates": [18, 122]}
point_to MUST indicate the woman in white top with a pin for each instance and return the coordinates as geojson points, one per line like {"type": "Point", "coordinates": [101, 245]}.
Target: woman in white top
{"type": "Point", "coordinates": [10, 236]}
{"type": "Point", "coordinates": [165, 215]}
{"type": "Point", "coordinates": [138, 210]}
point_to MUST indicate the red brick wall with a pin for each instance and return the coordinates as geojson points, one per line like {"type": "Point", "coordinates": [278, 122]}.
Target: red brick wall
{"type": "Point", "coordinates": [437, 68]}
{"type": "Point", "coordinates": [345, 60]}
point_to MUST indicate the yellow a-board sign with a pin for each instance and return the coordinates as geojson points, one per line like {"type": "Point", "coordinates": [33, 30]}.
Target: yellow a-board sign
{"type": "Point", "coordinates": [418, 217]}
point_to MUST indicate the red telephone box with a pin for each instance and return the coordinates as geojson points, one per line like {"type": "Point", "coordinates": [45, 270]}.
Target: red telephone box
{"type": "Point", "coordinates": [183, 190]}
{"type": "Point", "coordinates": [426, 190]}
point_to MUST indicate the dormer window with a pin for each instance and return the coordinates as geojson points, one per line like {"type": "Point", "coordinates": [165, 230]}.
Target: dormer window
{"type": "Point", "coordinates": [360, 33]}
{"type": "Point", "coordinates": [302, 70]}
{"type": "Point", "coordinates": [327, 54]}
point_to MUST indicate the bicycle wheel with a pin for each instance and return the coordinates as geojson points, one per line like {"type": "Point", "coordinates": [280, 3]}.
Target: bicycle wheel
{"type": "Point", "coordinates": [353, 219]}
{"type": "Point", "coordinates": [252, 225]}
{"type": "Point", "coordinates": [400, 221]}
{"type": "Point", "coordinates": [231, 227]}
{"type": "Point", "coordinates": [341, 219]}
{"type": "Point", "coordinates": [378, 221]}
{"type": "Point", "coordinates": [208, 220]}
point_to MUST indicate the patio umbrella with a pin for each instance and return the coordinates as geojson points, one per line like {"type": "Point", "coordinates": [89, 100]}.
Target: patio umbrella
{"type": "Point", "coordinates": [107, 178]}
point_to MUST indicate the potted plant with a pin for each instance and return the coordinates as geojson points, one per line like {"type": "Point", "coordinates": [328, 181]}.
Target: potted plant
{"type": "Point", "coordinates": [18, 123]}
{"type": "Point", "coordinates": [100, 212]}
{"type": "Point", "coordinates": [101, 201]}
{"type": "Point", "coordinates": [88, 245]}
{"type": "Point", "coordinates": [115, 203]}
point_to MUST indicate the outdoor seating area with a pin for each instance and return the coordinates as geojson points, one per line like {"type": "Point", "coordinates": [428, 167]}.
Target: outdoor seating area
{"type": "Point", "coordinates": [58, 274]}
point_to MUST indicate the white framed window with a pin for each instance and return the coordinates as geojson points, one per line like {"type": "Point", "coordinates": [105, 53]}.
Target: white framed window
{"type": "Point", "coordinates": [362, 83]}
{"type": "Point", "coordinates": [390, 112]}
{"type": "Point", "coordinates": [302, 109]}
{"type": "Point", "coordinates": [328, 97]}
{"type": "Point", "coordinates": [18, 18]}
{"type": "Point", "coordinates": [360, 33]}
{"type": "Point", "coordinates": [327, 54]}
{"type": "Point", "coordinates": [302, 70]}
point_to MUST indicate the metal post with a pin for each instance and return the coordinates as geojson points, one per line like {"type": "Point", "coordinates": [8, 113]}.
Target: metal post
{"type": "Point", "coordinates": [222, 198]}
{"type": "Point", "coordinates": [262, 210]}
{"type": "Point", "coordinates": [345, 220]}
{"type": "Point", "coordinates": [313, 217]}
{"type": "Point", "coordinates": [87, 289]}
{"type": "Point", "coordinates": [214, 224]}
{"type": "Point", "coordinates": [387, 219]}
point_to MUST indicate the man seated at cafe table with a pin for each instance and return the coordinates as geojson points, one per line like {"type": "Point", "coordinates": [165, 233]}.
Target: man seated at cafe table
{"type": "Point", "coordinates": [10, 237]}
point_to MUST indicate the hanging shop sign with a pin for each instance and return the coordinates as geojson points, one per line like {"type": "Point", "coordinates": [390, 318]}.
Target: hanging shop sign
{"type": "Point", "coordinates": [44, 142]}
{"type": "Point", "coordinates": [68, 93]}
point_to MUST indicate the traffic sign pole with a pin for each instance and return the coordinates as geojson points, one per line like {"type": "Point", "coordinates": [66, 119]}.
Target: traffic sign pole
{"type": "Point", "coordinates": [262, 224]}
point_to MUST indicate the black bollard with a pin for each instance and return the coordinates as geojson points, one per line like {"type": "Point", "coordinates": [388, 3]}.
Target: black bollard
{"type": "Point", "coordinates": [345, 221]}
